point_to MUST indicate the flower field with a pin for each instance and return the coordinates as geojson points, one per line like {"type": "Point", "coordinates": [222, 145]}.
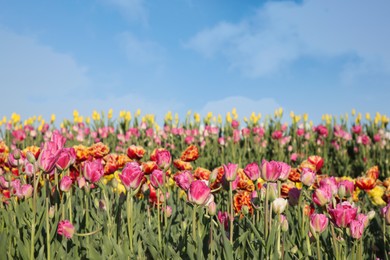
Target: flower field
{"type": "Point", "coordinates": [101, 187]}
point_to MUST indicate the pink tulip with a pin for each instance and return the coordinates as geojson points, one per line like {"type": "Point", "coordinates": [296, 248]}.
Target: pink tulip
{"type": "Point", "coordinates": [270, 170]}
{"type": "Point", "coordinates": [65, 183]}
{"type": "Point", "coordinates": [356, 227]}
{"type": "Point", "coordinates": [343, 214]}
{"type": "Point", "coordinates": [230, 171]}
{"type": "Point", "coordinates": [157, 178]}
{"type": "Point", "coordinates": [131, 176]}
{"type": "Point", "coordinates": [322, 195]}
{"type": "Point", "coordinates": [284, 171]}
{"type": "Point", "coordinates": [363, 218]}
{"type": "Point", "coordinates": [29, 169]}
{"type": "Point", "coordinates": [66, 158]}
{"type": "Point", "coordinates": [47, 160]}
{"type": "Point", "coordinates": [27, 190]}
{"type": "Point", "coordinates": [184, 180]}
{"type": "Point", "coordinates": [308, 177]}
{"type": "Point", "coordinates": [199, 193]}
{"type": "Point", "coordinates": [318, 222]}
{"type": "Point", "coordinates": [252, 171]}
{"type": "Point", "coordinates": [235, 124]}
{"type": "Point", "coordinates": [223, 218]}
{"type": "Point", "coordinates": [65, 228]}
{"type": "Point", "coordinates": [331, 183]}
{"type": "Point", "coordinates": [345, 188]}
{"type": "Point", "coordinates": [163, 158]}
{"type": "Point", "coordinates": [212, 208]}
{"type": "Point", "coordinates": [386, 213]}
{"type": "Point", "coordinates": [93, 170]}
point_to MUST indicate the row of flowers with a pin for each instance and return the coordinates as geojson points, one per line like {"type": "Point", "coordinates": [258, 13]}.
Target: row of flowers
{"type": "Point", "coordinates": [346, 148]}
{"type": "Point", "coordinates": [85, 202]}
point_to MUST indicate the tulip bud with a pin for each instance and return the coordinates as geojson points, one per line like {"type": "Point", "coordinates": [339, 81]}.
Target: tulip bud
{"type": "Point", "coordinates": [279, 205]}
{"type": "Point", "coordinates": [308, 176]}
{"type": "Point", "coordinates": [371, 214]}
{"type": "Point", "coordinates": [51, 212]}
{"type": "Point", "coordinates": [30, 157]}
{"type": "Point", "coordinates": [212, 208]}
{"type": "Point", "coordinates": [213, 176]}
{"type": "Point", "coordinates": [16, 154]}
{"type": "Point", "coordinates": [273, 191]}
{"type": "Point", "coordinates": [102, 205]}
{"type": "Point", "coordinates": [284, 223]}
{"type": "Point", "coordinates": [114, 183]}
{"type": "Point", "coordinates": [245, 210]}
{"type": "Point", "coordinates": [230, 171]}
{"type": "Point", "coordinates": [168, 211]}
{"type": "Point", "coordinates": [342, 191]}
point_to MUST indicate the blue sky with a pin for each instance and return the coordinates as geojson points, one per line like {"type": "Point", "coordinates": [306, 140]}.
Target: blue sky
{"type": "Point", "coordinates": [205, 55]}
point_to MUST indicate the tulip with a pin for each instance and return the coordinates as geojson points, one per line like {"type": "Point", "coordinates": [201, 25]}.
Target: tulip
{"type": "Point", "coordinates": [363, 218]}
{"type": "Point", "coordinates": [47, 160]}
{"type": "Point", "coordinates": [343, 214]}
{"type": "Point", "coordinates": [345, 188]}
{"type": "Point", "coordinates": [93, 170]}
{"type": "Point", "coordinates": [135, 152]}
{"type": "Point", "coordinates": [365, 183]}
{"type": "Point", "coordinates": [284, 171]}
{"type": "Point", "coordinates": [252, 171]}
{"type": "Point", "coordinates": [223, 218]}
{"type": "Point", "coordinates": [29, 169]}
{"type": "Point", "coordinates": [199, 193]}
{"type": "Point", "coordinates": [184, 180]}
{"type": "Point", "coordinates": [131, 176]}
{"type": "Point", "coordinates": [283, 223]}
{"type": "Point", "coordinates": [386, 213]}
{"type": "Point", "coordinates": [212, 208]}
{"type": "Point", "coordinates": [230, 171]}
{"type": "Point", "coordinates": [66, 158]}
{"type": "Point", "coordinates": [322, 195]}
{"type": "Point", "coordinates": [279, 205]}
{"type": "Point", "coordinates": [356, 227]}
{"type": "Point", "coordinates": [65, 228]}
{"type": "Point", "coordinates": [163, 158]}
{"type": "Point", "coordinates": [270, 170]}
{"type": "Point", "coordinates": [157, 178]}
{"type": "Point", "coordinates": [308, 177]}
{"type": "Point", "coordinates": [190, 154]}
{"type": "Point", "coordinates": [318, 222]}
{"type": "Point", "coordinates": [65, 183]}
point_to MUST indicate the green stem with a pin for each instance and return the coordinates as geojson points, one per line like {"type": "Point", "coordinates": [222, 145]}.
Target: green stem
{"type": "Point", "coordinates": [158, 220]}
{"type": "Point", "coordinates": [47, 229]}
{"type": "Point", "coordinates": [87, 220]}
{"type": "Point", "coordinates": [231, 211]}
{"type": "Point", "coordinates": [336, 248]}
{"type": "Point", "coordinates": [266, 212]}
{"type": "Point", "coordinates": [130, 220]}
{"type": "Point", "coordinates": [318, 247]}
{"type": "Point", "coordinates": [36, 181]}
{"type": "Point", "coordinates": [384, 239]}
{"type": "Point", "coordinates": [278, 238]}
{"type": "Point", "coordinates": [194, 223]}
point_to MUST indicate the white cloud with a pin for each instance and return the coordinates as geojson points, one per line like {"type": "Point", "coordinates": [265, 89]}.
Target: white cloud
{"type": "Point", "coordinates": [141, 52]}
{"type": "Point", "coordinates": [37, 80]}
{"type": "Point", "coordinates": [29, 69]}
{"type": "Point", "coordinates": [280, 33]}
{"type": "Point", "coordinates": [244, 106]}
{"type": "Point", "coordinates": [132, 10]}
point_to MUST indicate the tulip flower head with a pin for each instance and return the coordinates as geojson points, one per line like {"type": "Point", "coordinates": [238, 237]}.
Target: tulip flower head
{"type": "Point", "coordinates": [199, 193]}
{"type": "Point", "coordinates": [318, 222]}
{"type": "Point", "coordinates": [65, 228]}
